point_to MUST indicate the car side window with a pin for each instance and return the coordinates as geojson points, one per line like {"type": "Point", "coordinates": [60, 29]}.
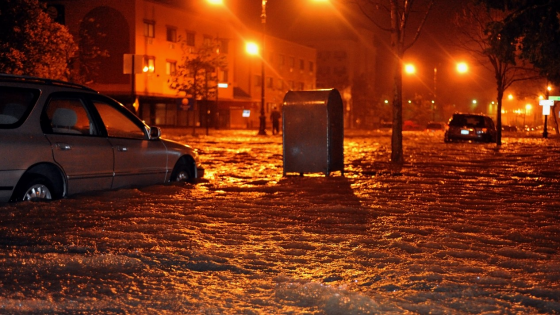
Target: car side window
{"type": "Point", "coordinates": [14, 104]}
{"type": "Point", "coordinates": [68, 115]}
{"type": "Point", "coordinates": [118, 125]}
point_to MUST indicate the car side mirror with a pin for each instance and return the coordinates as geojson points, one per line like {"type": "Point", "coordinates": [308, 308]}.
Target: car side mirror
{"type": "Point", "coordinates": [155, 132]}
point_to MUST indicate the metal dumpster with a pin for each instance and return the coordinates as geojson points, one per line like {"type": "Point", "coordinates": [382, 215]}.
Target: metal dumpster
{"type": "Point", "coordinates": [313, 132]}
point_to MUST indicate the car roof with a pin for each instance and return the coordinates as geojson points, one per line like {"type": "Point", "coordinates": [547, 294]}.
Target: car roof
{"type": "Point", "coordinates": [42, 81]}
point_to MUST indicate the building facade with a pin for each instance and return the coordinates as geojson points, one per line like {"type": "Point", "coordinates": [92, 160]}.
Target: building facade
{"type": "Point", "coordinates": [131, 49]}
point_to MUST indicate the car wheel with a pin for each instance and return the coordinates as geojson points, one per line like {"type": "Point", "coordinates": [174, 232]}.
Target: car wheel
{"type": "Point", "coordinates": [34, 188]}
{"type": "Point", "coordinates": [182, 172]}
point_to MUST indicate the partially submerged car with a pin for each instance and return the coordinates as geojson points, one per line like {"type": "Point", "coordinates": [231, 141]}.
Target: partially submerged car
{"type": "Point", "coordinates": [434, 127]}
{"type": "Point", "coordinates": [470, 127]}
{"type": "Point", "coordinates": [59, 139]}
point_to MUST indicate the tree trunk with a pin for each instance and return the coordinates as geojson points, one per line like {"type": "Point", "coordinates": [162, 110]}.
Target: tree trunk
{"type": "Point", "coordinates": [397, 137]}
{"type": "Point", "coordinates": [499, 117]}
{"type": "Point", "coordinates": [397, 45]}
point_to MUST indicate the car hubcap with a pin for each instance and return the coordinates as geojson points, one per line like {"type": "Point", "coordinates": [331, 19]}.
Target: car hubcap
{"type": "Point", "coordinates": [37, 192]}
{"type": "Point", "coordinates": [182, 176]}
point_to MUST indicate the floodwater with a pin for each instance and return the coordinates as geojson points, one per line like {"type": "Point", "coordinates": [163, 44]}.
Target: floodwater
{"type": "Point", "coordinates": [461, 228]}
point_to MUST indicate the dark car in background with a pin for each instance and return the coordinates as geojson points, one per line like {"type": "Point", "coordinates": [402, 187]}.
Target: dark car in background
{"type": "Point", "coordinates": [434, 128]}
{"type": "Point", "coordinates": [470, 127]}
{"type": "Point", "coordinates": [509, 128]}
{"type": "Point", "coordinates": [59, 138]}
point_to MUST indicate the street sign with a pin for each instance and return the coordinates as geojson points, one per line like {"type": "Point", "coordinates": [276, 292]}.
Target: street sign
{"type": "Point", "coordinates": [546, 104]}
{"type": "Point", "coordinates": [554, 98]}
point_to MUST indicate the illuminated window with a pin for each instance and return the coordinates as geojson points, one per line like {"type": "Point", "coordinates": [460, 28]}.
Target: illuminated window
{"type": "Point", "coordinates": [149, 29]}
{"type": "Point", "coordinates": [149, 65]}
{"type": "Point", "coordinates": [170, 67]}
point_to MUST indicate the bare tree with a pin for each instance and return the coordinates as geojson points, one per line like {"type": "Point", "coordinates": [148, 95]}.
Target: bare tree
{"type": "Point", "coordinates": [403, 16]}
{"type": "Point", "coordinates": [196, 70]}
{"type": "Point", "coordinates": [479, 35]}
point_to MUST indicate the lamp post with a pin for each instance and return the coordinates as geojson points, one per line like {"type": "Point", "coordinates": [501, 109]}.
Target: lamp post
{"type": "Point", "coordinates": [545, 127]}
{"type": "Point", "coordinates": [462, 68]}
{"type": "Point", "coordinates": [262, 124]}
{"type": "Point", "coordinates": [435, 97]}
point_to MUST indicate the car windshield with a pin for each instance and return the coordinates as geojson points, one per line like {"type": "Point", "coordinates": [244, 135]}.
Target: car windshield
{"type": "Point", "coordinates": [467, 121]}
{"type": "Point", "coordinates": [15, 104]}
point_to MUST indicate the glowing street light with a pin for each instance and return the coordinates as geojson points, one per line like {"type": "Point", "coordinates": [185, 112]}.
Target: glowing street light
{"type": "Point", "coordinates": [410, 68]}
{"type": "Point", "coordinates": [252, 48]}
{"type": "Point", "coordinates": [462, 67]}
{"type": "Point", "coordinates": [216, 2]}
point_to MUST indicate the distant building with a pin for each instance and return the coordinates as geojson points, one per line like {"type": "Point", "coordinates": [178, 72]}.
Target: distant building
{"type": "Point", "coordinates": [144, 36]}
{"type": "Point", "coordinates": [349, 65]}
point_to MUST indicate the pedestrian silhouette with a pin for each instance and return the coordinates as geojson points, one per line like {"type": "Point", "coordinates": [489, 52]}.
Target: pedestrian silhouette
{"type": "Point", "coordinates": [275, 117]}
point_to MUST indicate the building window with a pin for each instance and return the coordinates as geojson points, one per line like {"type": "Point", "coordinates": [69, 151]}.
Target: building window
{"type": "Point", "coordinates": [171, 34]}
{"type": "Point", "coordinates": [258, 80]}
{"type": "Point", "coordinates": [171, 67]}
{"type": "Point", "coordinates": [281, 60]}
{"type": "Point", "coordinates": [301, 86]}
{"type": "Point", "coordinates": [291, 62]}
{"type": "Point", "coordinates": [149, 65]}
{"type": "Point", "coordinates": [269, 83]}
{"type": "Point", "coordinates": [224, 46]}
{"type": "Point", "coordinates": [149, 29]}
{"type": "Point", "coordinates": [339, 70]}
{"type": "Point", "coordinates": [340, 55]}
{"type": "Point", "coordinates": [301, 64]}
{"type": "Point", "coordinates": [207, 40]}
{"type": "Point", "coordinates": [224, 76]}
{"type": "Point", "coordinates": [190, 39]}
{"type": "Point", "coordinates": [311, 66]}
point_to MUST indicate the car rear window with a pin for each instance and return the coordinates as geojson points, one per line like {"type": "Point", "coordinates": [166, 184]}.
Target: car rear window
{"type": "Point", "coordinates": [467, 121]}
{"type": "Point", "coordinates": [15, 105]}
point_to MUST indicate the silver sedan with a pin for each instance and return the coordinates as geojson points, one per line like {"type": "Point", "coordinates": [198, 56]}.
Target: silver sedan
{"type": "Point", "coordinates": [59, 139]}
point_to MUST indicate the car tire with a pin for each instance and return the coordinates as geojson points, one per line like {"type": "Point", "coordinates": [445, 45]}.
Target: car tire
{"type": "Point", "coordinates": [182, 172]}
{"type": "Point", "coordinates": [34, 187]}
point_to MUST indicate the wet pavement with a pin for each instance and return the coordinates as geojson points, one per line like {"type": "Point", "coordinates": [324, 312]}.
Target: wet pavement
{"type": "Point", "coordinates": [460, 228]}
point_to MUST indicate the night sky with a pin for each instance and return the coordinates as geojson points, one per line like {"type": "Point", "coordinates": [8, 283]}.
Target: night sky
{"type": "Point", "coordinates": [297, 20]}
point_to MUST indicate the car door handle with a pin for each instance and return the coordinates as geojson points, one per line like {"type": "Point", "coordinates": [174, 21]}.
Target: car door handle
{"type": "Point", "coordinates": [120, 148]}
{"type": "Point", "coordinates": [63, 146]}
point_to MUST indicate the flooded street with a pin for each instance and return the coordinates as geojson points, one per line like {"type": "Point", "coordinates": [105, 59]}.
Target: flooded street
{"type": "Point", "coordinates": [461, 228]}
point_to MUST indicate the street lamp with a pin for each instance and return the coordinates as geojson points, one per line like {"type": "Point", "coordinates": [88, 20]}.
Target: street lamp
{"type": "Point", "coordinates": [409, 68]}
{"type": "Point", "coordinates": [462, 68]}
{"type": "Point", "coordinates": [545, 127]}
{"type": "Point", "coordinates": [262, 125]}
